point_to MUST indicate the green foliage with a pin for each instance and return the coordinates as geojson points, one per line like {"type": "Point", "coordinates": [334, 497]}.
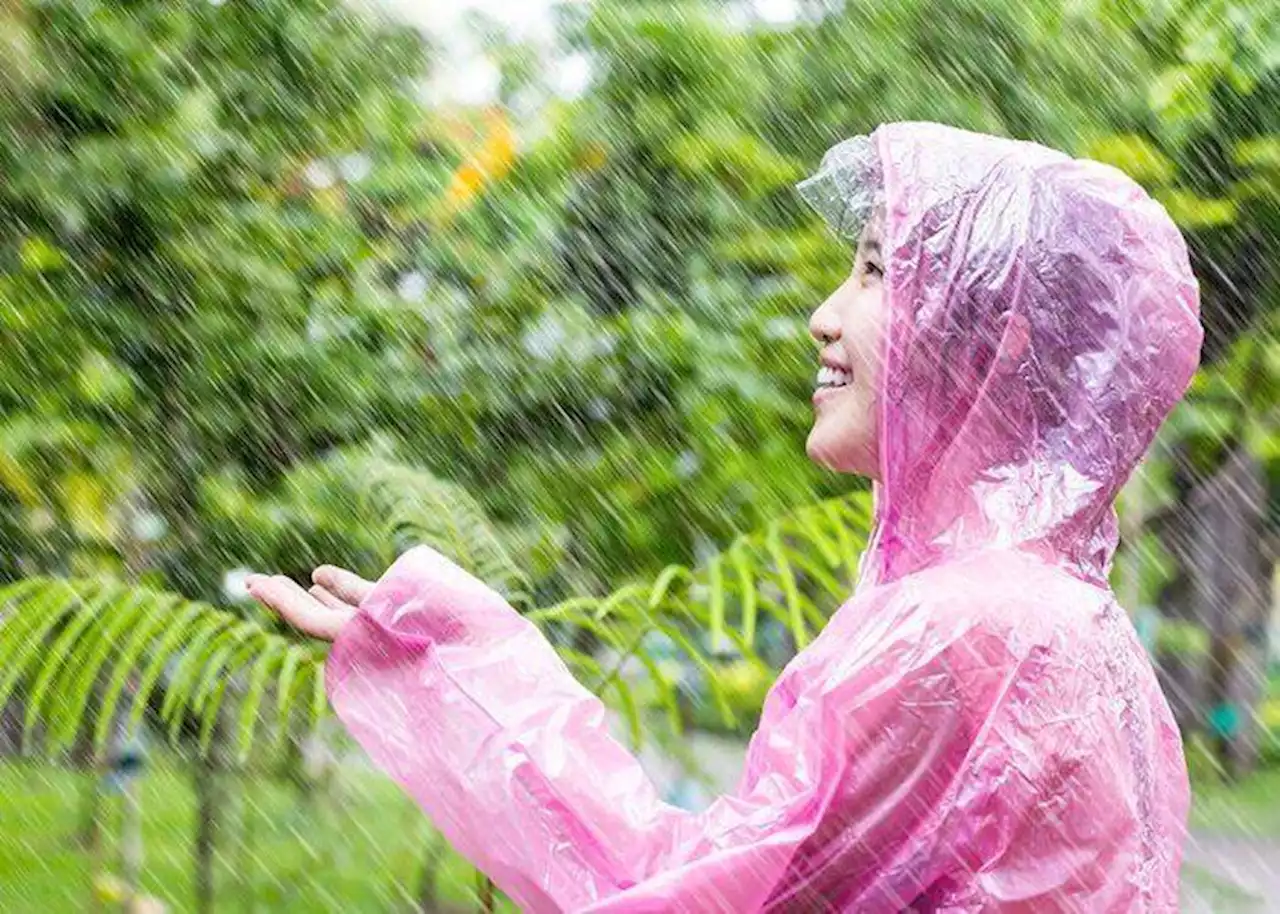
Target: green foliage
{"type": "Point", "coordinates": [164, 268]}
{"type": "Point", "coordinates": [618, 342]}
{"type": "Point", "coordinates": [620, 314]}
{"type": "Point", "coordinates": [1134, 155]}
{"type": "Point", "coordinates": [356, 845]}
{"type": "Point", "coordinates": [249, 285]}
{"type": "Point", "coordinates": [795, 570]}
{"type": "Point", "coordinates": [1182, 638]}
{"type": "Point", "coordinates": [60, 637]}
{"type": "Point", "coordinates": [365, 503]}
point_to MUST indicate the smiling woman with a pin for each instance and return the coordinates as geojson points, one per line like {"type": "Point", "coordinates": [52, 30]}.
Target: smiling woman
{"type": "Point", "coordinates": [978, 727]}
{"type": "Point", "coordinates": [850, 327]}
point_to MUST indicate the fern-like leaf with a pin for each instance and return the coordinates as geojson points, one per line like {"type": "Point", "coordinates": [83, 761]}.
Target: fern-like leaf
{"type": "Point", "coordinates": [60, 637]}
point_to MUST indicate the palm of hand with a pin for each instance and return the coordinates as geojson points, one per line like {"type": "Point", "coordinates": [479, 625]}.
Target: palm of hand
{"type": "Point", "coordinates": [319, 611]}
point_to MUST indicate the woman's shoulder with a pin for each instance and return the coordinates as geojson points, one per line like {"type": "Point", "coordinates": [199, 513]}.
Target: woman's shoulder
{"type": "Point", "coordinates": [982, 618]}
{"type": "Point", "coordinates": [986, 578]}
{"type": "Point", "coordinates": [1012, 599]}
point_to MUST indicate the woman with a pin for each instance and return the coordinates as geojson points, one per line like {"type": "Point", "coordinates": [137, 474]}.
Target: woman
{"type": "Point", "coordinates": [977, 728]}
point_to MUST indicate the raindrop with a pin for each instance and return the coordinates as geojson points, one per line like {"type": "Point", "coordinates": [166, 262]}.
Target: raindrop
{"type": "Point", "coordinates": [149, 526]}
{"type": "Point", "coordinates": [355, 167]}
{"type": "Point", "coordinates": [687, 464]}
{"type": "Point", "coordinates": [412, 286]}
{"type": "Point", "coordinates": [320, 174]}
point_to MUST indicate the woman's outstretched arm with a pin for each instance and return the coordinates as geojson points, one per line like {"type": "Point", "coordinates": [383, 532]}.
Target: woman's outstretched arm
{"type": "Point", "coordinates": [466, 705]}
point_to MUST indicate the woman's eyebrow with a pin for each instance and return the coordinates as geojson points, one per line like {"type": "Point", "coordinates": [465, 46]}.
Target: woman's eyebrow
{"type": "Point", "coordinates": [871, 247]}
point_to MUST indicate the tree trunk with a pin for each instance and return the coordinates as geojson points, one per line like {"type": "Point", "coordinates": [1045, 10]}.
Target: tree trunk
{"type": "Point", "coordinates": [131, 841]}
{"type": "Point", "coordinates": [89, 834]}
{"type": "Point", "coordinates": [427, 901]}
{"type": "Point", "coordinates": [1181, 675]}
{"type": "Point", "coordinates": [11, 727]}
{"type": "Point", "coordinates": [207, 783]}
{"type": "Point", "coordinates": [1230, 574]}
{"type": "Point", "coordinates": [85, 758]}
{"type": "Point", "coordinates": [246, 838]}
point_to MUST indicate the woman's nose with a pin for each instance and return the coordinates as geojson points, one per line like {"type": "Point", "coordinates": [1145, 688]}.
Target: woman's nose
{"type": "Point", "coordinates": [823, 325]}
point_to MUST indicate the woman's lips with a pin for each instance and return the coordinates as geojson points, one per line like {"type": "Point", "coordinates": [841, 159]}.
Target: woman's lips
{"type": "Point", "coordinates": [823, 394]}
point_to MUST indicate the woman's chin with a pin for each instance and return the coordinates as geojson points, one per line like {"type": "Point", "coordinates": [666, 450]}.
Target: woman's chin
{"type": "Point", "coordinates": [837, 450]}
{"type": "Point", "coordinates": [824, 451]}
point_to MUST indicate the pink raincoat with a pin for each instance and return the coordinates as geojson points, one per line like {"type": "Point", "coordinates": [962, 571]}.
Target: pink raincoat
{"type": "Point", "coordinates": [977, 728]}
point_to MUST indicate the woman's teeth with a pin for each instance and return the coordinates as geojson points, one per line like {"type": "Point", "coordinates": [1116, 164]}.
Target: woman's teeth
{"type": "Point", "coordinates": [833, 377]}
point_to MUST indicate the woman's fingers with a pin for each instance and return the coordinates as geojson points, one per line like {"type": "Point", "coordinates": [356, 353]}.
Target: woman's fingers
{"type": "Point", "coordinates": [299, 608]}
{"type": "Point", "coordinates": [345, 585]}
{"type": "Point", "coordinates": [320, 611]}
{"type": "Point", "coordinates": [328, 599]}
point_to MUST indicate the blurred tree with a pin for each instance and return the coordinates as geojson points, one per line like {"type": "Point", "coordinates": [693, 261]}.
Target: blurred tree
{"type": "Point", "coordinates": [620, 346]}
{"type": "Point", "coordinates": [171, 245]}
{"type": "Point", "coordinates": [1208, 147]}
{"type": "Point", "coordinates": [232, 241]}
{"type": "Point", "coordinates": [1050, 72]}
{"type": "Point", "coordinates": [176, 251]}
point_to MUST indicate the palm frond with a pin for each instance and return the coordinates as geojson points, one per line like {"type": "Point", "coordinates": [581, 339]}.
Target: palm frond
{"type": "Point", "coordinates": [395, 506]}
{"type": "Point", "coordinates": [812, 552]}
{"type": "Point", "coordinates": [419, 507]}
{"type": "Point", "coordinates": [786, 569]}
{"type": "Point", "coordinates": [60, 637]}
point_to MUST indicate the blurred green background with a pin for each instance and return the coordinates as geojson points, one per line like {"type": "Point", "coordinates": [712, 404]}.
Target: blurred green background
{"type": "Point", "coordinates": [268, 300]}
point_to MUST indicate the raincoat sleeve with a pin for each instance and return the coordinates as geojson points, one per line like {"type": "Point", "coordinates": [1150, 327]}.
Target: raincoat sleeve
{"type": "Point", "coordinates": [467, 706]}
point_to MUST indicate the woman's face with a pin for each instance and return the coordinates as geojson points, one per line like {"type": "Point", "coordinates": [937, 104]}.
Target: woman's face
{"type": "Point", "coordinates": [848, 325]}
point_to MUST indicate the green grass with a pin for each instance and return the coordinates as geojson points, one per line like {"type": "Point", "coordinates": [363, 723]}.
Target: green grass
{"type": "Point", "coordinates": [360, 850]}
{"type": "Point", "coordinates": [1251, 807]}
{"type": "Point", "coordinates": [1204, 892]}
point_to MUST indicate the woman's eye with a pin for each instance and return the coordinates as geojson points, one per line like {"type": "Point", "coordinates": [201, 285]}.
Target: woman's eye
{"type": "Point", "coordinates": [873, 269]}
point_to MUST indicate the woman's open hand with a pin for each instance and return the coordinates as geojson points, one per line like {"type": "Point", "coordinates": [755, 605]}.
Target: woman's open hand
{"type": "Point", "coordinates": [320, 611]}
